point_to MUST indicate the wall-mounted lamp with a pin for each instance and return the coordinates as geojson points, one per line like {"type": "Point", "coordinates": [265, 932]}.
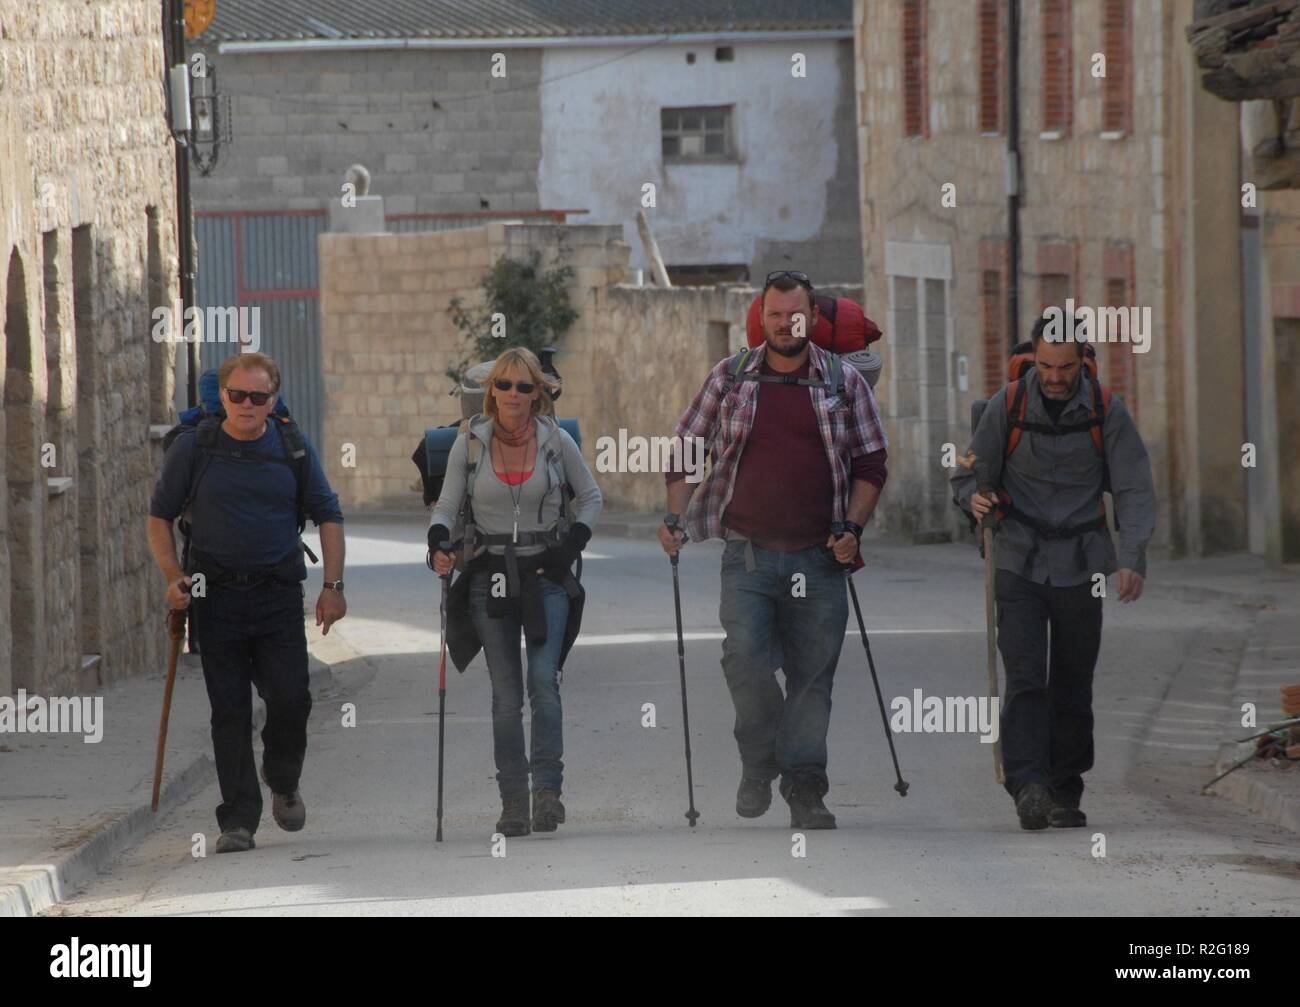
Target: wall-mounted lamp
{"type": "Point", "coordinates": [211, 121]}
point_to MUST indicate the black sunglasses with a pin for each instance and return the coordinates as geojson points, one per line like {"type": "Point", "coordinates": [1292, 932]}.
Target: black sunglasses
{"type": "Point", "coordinates": [504, 385]}
{"type": "Point", "coordinates": [779, 274]}
{"type": "Point", "coordinates": [237, 396]}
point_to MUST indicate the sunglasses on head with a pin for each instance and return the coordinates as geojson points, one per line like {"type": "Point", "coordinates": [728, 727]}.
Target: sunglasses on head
{"type": "Point", "coordinates": [504, 385]}
{"type": "Point", "coordinates": [238, 395]}
{"type": "Point", "coordinates": [792, 274]}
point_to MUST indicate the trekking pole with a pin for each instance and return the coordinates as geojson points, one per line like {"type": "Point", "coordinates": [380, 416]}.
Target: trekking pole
{"type": "Point", "coordinates": [691, 815]}
{"type": "Point", "coordinates": [176, 621]}
{"type": "Point", "coordinates": [837, 529]}
{"type": "Point", "coordinates": [990, 617]}
{"type": "Point", "coordinates": [445, 547]}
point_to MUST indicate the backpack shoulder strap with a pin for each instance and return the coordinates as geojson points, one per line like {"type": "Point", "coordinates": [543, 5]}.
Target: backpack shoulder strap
{"type": "Point", "coordinates": [734, 368]}
{"type": "Point", "coordinates": [1015, 412]}
{"type": "Point", "coordinates": [837, 377]}
{"type": "Point", "coordinates": [1100, 406]}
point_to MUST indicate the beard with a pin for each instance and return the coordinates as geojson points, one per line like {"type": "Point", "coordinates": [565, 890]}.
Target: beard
{"type": "Point", "coordinates": [792, 350]}
{"type": "Point", "coordinates": [1064, 395]}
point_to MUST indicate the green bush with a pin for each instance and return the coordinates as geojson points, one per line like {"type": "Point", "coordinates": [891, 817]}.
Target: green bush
{"type": "Point", "coordinates": [534, 305]}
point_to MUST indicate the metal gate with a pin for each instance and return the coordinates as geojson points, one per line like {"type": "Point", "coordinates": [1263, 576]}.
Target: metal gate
{"type": "Point", "coordinates": [266, 260]}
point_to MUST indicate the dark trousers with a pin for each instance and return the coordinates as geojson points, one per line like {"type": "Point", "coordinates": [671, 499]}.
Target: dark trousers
{"type": "Point", "coordinates": [254, 636]}
{"type": "Point", "coordinates": [1047, 699]}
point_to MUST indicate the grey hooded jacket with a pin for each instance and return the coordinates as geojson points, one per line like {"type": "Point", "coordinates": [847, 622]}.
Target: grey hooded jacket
{"type": "Point", "coordinates": [539, 500]}
{"type": "Point", "coordinates": [1057, 481]}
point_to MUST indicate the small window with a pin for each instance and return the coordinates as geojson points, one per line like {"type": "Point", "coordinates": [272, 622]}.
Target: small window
{"type": "Point", "coordinates": [690, 58]}
{"type": "Point", "coordinates": [724, 54]}
{"type": "Point", "coordinates": [697, 134]}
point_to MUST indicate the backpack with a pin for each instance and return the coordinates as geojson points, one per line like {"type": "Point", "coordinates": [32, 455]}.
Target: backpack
{"type": "Point", "coordinates": [841, 325]}
{"type": "Point", "coordinates": [737, 364]}
{"type": "Point", "coordinates": [430, 458]}
{"type": "Point", "coordinates": [205, 419]}
{"type": "Point", "coordinates": [1019, 364]}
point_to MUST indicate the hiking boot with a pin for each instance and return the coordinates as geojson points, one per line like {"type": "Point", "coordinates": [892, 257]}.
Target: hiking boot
{"type": "Point", "coordinates": [1034, 806]}
{"type": "Point", "coordinates": [514, 816]}
{"type": "Point", "coordinates": [287, 809]}
{"type": "Point", "coordinates": [548, 812]}
{"type": "Point", "coordinates": [754, 797]}
{"type": "Point", "coordinates": [807, 809]}
{"type": "Point", "coordinates": [235, 840]}
{"type": "Point", "coordinates": [1066, 816]}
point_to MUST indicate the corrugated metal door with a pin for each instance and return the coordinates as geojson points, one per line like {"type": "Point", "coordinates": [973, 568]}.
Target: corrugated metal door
{"type": "Point", "coordinates": [267, 261]}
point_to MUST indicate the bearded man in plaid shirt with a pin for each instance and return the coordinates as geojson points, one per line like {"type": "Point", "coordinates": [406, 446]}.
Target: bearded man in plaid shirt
{"type": "Point", "coordinates": [791, 459]}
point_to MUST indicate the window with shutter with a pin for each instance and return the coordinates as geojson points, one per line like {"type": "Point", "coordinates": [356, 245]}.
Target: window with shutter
{"type": "Point", "coordinates": [1058, 88]}
{"type": "Point", "coordinates": [915, 94]}
{"type": "Point", "coordinates": [1117, 85]}
{"type": "Point", "coordinates": [990, 66]}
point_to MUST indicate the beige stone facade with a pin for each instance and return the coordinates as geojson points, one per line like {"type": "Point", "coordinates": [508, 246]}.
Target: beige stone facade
{"type": "Point", "coordinates": [87, 206]}
{"type": "Point", "coordinates": [632, 362]}
{"type": "Point", "coordinates": [1152, 213]}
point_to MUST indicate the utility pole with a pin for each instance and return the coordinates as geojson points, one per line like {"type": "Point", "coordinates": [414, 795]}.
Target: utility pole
{"type": "Point", "coordinates": [179, 89]}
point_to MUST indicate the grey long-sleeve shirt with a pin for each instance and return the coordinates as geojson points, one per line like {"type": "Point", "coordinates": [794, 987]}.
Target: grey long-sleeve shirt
{"type": "Point", "coordinates": [1057, 480]}
{"type": "Point", "coordinates": [539, 498]}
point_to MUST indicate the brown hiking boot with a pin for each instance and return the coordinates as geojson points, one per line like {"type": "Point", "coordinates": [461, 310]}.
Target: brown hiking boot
{"type": "Point", "coordinates": [548, 812]}
{"type": "Point", "coordinates": [514, 816]}
{"type": "Point", "coordinates": [288, 810]}
{"type": "Point", "coordinates": [235, 840]}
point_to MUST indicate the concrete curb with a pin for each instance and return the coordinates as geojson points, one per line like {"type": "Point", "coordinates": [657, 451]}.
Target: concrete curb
{"type": "Point", "coordinates": [1250, 788]}
{"type": "Point", "coordinates": [32, 889]}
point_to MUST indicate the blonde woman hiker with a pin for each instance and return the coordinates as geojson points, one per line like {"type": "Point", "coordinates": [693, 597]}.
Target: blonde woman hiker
{"type": "Point", "coordinates": [509, 478]}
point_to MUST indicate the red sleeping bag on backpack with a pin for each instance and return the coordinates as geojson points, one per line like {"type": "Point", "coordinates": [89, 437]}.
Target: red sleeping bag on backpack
{"type": "Point", "coordinates": [841, 327]}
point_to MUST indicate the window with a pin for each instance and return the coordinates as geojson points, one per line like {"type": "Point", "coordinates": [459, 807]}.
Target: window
{"type": "Point", "coordinates": [915, 96]}
{"type": "Point", "coordinates": [1117, 363]}
{"type": "Point", "coordinates": [1117, 85]}
{"type": "Point", "coordinates": [697, 134]}
{"type": "Point", "coordinates": [1058, 89]}
{"type": "Point", "coordinates": [990, 66]}
{"type": "Point", "coordinates": [993, 312]}
{"type": "Point", "coordinates": [724, 54]}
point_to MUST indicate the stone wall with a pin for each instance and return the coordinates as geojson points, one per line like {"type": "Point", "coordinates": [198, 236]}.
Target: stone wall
{"type": "Point", "coordinates": [632, 362]}
{"type": "Point", "coordinates": [1089, 201]}
{"type": "Point", "coordinates": [84, 156]}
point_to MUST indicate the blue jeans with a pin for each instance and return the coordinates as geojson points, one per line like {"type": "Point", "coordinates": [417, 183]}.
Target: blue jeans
{"type": "Point", "coordinates": [774, 620]}
{"type": "Point", "coordinates": [500, 638]}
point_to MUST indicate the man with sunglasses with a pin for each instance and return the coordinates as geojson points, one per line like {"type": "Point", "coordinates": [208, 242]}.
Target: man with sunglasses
{"type": "Point", "coordinates": [237, 477]}
{"type": "Point", "coordinates": [798, 449]}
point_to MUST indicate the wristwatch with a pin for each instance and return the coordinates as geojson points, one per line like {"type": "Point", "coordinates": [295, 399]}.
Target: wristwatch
{"type": "Point", "coordinates": [672, 520]}
{"type": "Point", "coordinates": [334, 585]}
{"type": "Point", "coordinates": [855, 528]}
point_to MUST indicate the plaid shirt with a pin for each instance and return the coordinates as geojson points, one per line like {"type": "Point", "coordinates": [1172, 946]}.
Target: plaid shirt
{"type": "Point", "coordinates": [848, 430]}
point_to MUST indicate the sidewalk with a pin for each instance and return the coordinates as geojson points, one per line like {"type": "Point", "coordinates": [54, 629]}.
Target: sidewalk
{"type": "Point", "coordinates": [67, 807]}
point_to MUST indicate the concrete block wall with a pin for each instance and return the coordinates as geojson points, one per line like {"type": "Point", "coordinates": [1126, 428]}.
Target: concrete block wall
{"type": "Point", "coordinates": [437, 131]}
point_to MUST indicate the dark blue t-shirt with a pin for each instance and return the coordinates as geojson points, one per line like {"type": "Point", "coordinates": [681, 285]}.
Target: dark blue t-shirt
{"type": "Point", "coordinates": [245, 511]}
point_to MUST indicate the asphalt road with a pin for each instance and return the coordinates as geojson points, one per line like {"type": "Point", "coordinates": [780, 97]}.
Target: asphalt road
{"type": "Point", "coordinates": [953, 846]}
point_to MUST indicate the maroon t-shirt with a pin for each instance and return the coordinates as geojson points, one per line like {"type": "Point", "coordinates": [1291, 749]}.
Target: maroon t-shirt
{"type": "Point", "coordinates": [784, 491]}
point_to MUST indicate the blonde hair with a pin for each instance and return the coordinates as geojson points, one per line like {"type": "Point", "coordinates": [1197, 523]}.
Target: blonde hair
{"type": "Point", "coordinates": [249, 361]}
{"type": "Point", "coordinates": [544, 404]}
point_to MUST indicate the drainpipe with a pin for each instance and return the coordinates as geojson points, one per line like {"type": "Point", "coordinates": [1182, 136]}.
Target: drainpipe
{"type": "Point", "coordinates": [184, 217]}
{"type": "Point", "coordinates": [1013, 173]}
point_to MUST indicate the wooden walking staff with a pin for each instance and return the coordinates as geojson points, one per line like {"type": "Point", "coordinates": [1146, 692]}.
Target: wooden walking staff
{"type": "Point", "coordinates": [990, 617]}
{"type": "Point", "coordinates": [176, 620]}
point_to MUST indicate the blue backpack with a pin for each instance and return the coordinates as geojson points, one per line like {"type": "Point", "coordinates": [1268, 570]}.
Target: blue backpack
{"type": "Point", "coordinates": [205, 419]}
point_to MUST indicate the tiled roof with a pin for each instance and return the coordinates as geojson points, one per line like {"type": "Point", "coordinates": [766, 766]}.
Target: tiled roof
{"type": "Point", "coordinates": [277, 20]}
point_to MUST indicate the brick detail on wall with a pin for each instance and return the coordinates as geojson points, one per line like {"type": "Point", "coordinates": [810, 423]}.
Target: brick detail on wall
{"type": "Point", "coordinates": [916, 98]}
{"type": "Point", "coordinates": [990, 65]}
{"type": "Point", "coordinates": [1117, 360]}
{"type": "Point", "coordinates": [993, 311]}
{"type": "Point", "coordinates": [1058, 273]}
{"type": "Point", "coordinates": [1058, 66]}
{"type": "Point", "coordinates": [1117, 86]}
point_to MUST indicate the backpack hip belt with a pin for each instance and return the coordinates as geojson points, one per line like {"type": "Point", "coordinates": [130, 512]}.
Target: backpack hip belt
{"type": "Point", "coordinates": [1053, 532]}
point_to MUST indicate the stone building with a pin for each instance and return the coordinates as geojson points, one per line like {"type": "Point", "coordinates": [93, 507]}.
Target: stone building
{"type": "Point", "coordinates": [87, 206]}
{"type": "Point", "coordinates": [1131, 195]}
{"type": "Point", "coordinates": [741, 116]}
